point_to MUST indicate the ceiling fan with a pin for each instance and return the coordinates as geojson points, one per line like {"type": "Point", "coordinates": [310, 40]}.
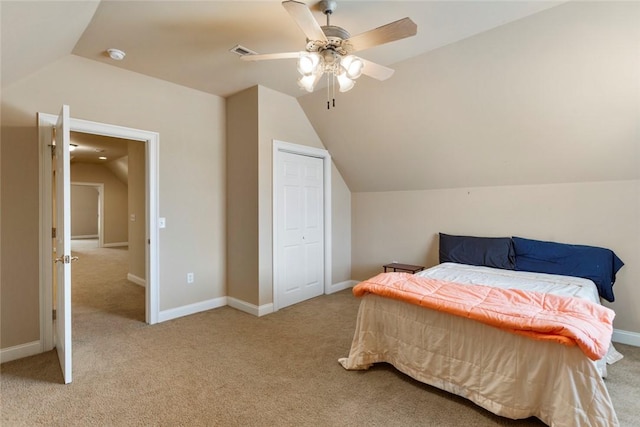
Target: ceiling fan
{"type": "Point", "coordinates": [329, 48]}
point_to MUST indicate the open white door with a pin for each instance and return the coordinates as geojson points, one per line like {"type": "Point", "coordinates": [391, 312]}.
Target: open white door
{"type": "Point", "coordinates": [63, 243]}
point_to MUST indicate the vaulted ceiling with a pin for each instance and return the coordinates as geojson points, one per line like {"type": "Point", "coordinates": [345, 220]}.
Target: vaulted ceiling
{"type": "Point", "coordinates": [487, 93]}
{"type": "Point", "coordinates": [188, 42]}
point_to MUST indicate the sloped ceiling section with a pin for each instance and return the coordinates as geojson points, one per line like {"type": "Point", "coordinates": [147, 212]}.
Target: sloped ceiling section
{"type": "Point", "coordinates": [552, 98]}
{"type": "Point", "coordinates": [36, 33]}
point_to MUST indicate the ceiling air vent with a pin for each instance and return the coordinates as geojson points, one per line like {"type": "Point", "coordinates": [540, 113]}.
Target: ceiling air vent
{"type": "Point", "coordinates": [242, 51]}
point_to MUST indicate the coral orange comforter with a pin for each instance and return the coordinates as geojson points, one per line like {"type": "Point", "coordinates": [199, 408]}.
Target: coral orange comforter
{"type": "Point", "coordinates": [566, 320]}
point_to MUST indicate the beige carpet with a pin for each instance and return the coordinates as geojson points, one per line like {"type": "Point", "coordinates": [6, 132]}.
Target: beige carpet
{"type": "Point", "coordinates": [227, 368]}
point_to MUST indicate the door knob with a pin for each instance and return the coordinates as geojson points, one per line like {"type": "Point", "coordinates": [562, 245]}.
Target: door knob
{"type": "Point", "coordinates": [66, 259]}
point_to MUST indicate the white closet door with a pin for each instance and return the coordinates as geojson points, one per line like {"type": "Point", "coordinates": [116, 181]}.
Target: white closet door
{"type": "Point", "coordinates": [300, 228]}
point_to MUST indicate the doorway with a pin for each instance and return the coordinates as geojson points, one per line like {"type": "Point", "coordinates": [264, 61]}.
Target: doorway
{"type": "Point", "coordinates": [107, 235]}
{"type": "Point", "coordinates": [151, 251]}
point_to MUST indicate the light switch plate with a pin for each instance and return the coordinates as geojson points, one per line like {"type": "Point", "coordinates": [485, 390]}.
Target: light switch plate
{"type": "Point", "coordinates": [162, 222]}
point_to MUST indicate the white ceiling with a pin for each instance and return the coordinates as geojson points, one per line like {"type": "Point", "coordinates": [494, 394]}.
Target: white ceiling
{"type": "Point", "coordinates": [188, 42]}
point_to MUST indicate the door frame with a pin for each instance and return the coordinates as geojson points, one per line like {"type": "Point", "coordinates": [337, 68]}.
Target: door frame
{"type": "Point", "coordinates": [302, 150]}
{"type": "Point", "coordinates": [152, 141]}
{"type": "Point", "coordinates": [100, 188]}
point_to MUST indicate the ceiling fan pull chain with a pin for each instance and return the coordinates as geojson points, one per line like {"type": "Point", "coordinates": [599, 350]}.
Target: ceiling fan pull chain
{"type": "Point", "coordinates": [328, 93]}
{"type": "Point", "coordinates": [333, 90]}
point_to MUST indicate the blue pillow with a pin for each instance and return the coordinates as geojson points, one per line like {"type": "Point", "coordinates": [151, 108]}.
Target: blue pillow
{"type": "Point", "coordinates": [589, 262]}
{"type": "Point", "coordinates": [494, 252]}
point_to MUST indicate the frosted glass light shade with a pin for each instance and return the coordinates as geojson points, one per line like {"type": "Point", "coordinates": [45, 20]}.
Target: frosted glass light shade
{"type": "Point", "coordinates": [352, 66]}
{"type": "Point", "coordinates": [308, 63]}
{"type": "Point", "coordinates": [345, 82]}
{"type": "Point", "coordinates": [308, 82]}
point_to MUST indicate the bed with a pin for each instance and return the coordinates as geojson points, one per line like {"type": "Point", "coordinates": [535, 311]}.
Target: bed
{"type": "Point", "coordinates": [508, 374]}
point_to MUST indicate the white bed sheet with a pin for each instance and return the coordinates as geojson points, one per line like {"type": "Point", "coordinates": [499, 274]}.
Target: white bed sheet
{"type": "Point", "coordinates": [510, 279]}
{"type": "Point", "coordinates": [507, 374]}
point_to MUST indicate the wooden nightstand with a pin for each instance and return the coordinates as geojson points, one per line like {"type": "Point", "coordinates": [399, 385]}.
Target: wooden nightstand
{"type": "Point", "coordinates": [413, 269]}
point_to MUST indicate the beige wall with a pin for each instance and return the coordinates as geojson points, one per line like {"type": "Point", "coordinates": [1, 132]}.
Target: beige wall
{"type": "Point", "coordinates": [136, 173]}
{"type": "Point", "coordinates": [403, 226]}
{"type": "Point", "coordinates": [84, 211]}
{"type": "Point", "coordinates": [242, 196]}
{"type": "Point", "coordinates": [341, 228]}
{"type": "Point", "coordinates": [115, 199]}
{"type": "Point", "coordinates": [20, 313]}
{"type": "Point", "coordinates": [256, 117]}
{"type": "Point", "coordinates": [191, 178]}
{"type": "Point", "coordinates": [119, 167]}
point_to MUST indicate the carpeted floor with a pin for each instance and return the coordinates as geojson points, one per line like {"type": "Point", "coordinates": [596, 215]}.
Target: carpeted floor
{"type": "Point", "coordinates": [228, 368]}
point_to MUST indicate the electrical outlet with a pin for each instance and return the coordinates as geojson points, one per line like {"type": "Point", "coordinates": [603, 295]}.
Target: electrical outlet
{"type": "Point", "coordinates": [190, 278]}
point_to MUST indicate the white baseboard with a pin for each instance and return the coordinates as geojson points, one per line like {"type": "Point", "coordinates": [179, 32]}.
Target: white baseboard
{"type": "Point", "coordinates": [85, 236]}
{"type": "Point", "coordinates": [137, 280]}
{"type": "Point", "coordinates": [336, 287]}
{"type": "Point", "coordinates": [115, 245]}
{"type": "Point", "coordinates": [186, 310]}
{"type": "Point", "coordinates": [268, 308]}
{"type": "Point", "coordinates": [626, 337]}
{"type": "Point", "coordinates": [19, 351]}
{"type": "Point", "coordinates": [250, 308]}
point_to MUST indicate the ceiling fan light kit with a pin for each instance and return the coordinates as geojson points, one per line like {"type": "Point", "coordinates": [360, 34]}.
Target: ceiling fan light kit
{"type": "Point", "coordinates": [312, 65]}
{"type": "Point", "coordinates": [329, 48]}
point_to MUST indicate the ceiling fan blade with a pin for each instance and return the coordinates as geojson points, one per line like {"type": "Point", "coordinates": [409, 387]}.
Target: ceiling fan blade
{"type": "Point", "coordinates": [266, 56]}
{"type": "Point", "coordinates": [377, 71]}
{"type": "Point", "coordinates": [393, 31]}
{"type": "Point", "coordinates": [305, 20]}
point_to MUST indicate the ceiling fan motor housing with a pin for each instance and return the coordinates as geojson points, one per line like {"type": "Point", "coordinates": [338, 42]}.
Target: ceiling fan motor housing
{"type": "Point", "coordinates": [336, 40]}
{"type": "Point", "coordinates": [332, 31]}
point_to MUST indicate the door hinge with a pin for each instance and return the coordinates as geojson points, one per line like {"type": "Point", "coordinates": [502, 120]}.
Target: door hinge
{"type": "Point", "coordinates": [53, 314]}
{"type": "Point", "coordinates": [53, 233]}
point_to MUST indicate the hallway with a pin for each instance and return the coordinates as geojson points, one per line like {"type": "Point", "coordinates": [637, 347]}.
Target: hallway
{"type": "Point", "coordinates": [103, 300]}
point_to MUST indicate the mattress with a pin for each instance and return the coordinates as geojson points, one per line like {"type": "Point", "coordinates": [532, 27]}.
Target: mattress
{"type": "Point", "coordinates": [507, 374]}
